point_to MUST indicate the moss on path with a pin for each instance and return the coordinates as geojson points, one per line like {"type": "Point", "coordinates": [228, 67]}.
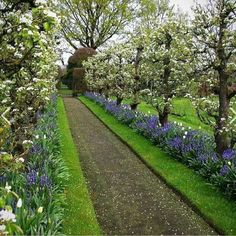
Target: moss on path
{"type": "Point", "coordinates": [128, 198]}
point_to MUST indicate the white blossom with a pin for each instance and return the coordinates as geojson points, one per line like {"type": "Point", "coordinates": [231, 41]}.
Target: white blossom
{"type": "Point", "coordinates": [19, 203]}
{"type": "Point", "coordinates": [7, 216]}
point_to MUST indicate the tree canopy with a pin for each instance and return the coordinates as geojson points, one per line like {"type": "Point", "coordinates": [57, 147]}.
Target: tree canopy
{"type": "Point", "coordinates": [91, 23]}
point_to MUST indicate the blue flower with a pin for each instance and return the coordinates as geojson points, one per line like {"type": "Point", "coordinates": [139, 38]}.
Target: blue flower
{"type": "Point", "coordinates": [229, 154]}
{"type": "Point", "coordinates": [224, 170]}
{"type": "Point", "coordinates": [45, 181]}
{"type": "Point", "coordinates": [32, 177]}
{"type": "Point", "coordinates": [202, 158]}
{"type": "Point", "coordinates": [176, 142]}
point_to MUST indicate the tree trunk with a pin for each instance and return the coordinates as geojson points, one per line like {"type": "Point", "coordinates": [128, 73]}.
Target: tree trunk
{"type": "Point", "coordinates": [163, 116]}
{"type": "Point", "coordinates": [167, 90]}
{"type": "Point", "coordinates": [222, 136]}
{"type": "Point", "coordinates": [134, 106]}
{"type": "Point", "coordinates": [137, 78]}
{"type": "Point", "coordinates": [118, 101]}
{"type": "Point", "coordinates": [106, 95]}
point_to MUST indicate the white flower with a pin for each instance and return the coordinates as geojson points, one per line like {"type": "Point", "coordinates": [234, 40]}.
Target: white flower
{"type": "Point", "coordinates": [37, 136]}
{"type": "Point", "coordinates": [30, 88]}
{"type": "Point", "coordinates": [229, 163]}
{"type": "Point", "coordinates": [2, 228]}
{"type": "Point", "coordinates": [3, 153]}
{"type": "Point", "coordinates": [50, 13]}
{"type": "Point", "coordinates": [8, 187]}
{"type": "Point", "coordinates": [19, 203]}
{"type": "Point", "coordinates": [40, 209]}
{"type": "Point", "coordinates": [23, 19]}
{"type": "Point", "coordinates": [30, 108]}
{"type": "Point", "coordinates": [184, 137]}
{"type": "Point", "coordinates": [41, 2]}
{"type": "Point", "coordinates": [30, 32]}
{"type": "Point", "coordinates": [185, 132]}
{"type": "Point", "coordinates": [21, 159]}
{"type": "Point", "coordinates": [7, 216]}
{"type": "Point", "coordinates": [27, 141]}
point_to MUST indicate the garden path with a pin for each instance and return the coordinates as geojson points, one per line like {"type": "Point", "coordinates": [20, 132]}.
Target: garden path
{"type": "Point", "coordinates": [128, 198]}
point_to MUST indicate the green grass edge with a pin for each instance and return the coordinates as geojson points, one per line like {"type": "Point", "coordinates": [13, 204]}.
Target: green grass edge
{"type": "Point", "coordinates": [217, 210]}
{"type": "Point", "coordinates": [80, 217]}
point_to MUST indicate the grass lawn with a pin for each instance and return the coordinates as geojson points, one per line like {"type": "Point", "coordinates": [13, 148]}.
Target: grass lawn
{"type": "Point", "coordinates": [66, 92]}
{"type": "Point", "coordinates": [80, 218]}
{"type": "Point", "coordinates": [181, 106]}
{"type": "Point", "coordinates": [211, 204]}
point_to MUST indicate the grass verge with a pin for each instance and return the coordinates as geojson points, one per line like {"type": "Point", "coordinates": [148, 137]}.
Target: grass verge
{"type": "Point", "coordinates": [217, 210]}
{"type": "Point", "coordinates": [80, 218]}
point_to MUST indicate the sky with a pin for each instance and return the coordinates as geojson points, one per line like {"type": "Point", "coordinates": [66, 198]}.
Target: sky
{"type": "Point", "coordinates": [186, 5]}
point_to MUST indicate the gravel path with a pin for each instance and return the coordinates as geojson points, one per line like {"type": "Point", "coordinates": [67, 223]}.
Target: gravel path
{"type": "Point", "coordinates": [128, 198]}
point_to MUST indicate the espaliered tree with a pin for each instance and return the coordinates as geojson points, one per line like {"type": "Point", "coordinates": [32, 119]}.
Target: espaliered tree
{"type": "Point", "coordinates": [137, 79]}
{"type": "Point", "coordinates": [167, 62]}
{"type": "Point", "coordinates": [119, 66]}
{"type": "Point", "coordinates": [214, 47]}
{"type": "Point", "coordinates": [97, 73]}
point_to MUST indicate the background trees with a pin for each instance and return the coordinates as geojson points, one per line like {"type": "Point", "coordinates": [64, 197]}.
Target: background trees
{"type": "Point", "coordinates": [175, 58]}
{"type": "Point", "coordinates": [92, 23]}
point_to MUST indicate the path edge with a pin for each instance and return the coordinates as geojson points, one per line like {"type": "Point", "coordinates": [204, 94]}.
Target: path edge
{"type": "Point", "coordinates": [71, 157]}
{"type": "Point", "coordinates": [162, 178]}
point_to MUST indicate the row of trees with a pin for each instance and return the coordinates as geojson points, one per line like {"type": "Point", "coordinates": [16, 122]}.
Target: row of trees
{"type": "Point", "coordinates": [176, 58]}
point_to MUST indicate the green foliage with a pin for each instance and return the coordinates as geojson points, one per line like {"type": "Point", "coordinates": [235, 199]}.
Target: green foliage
{"type": "Point", "coordinates": [41, 183]}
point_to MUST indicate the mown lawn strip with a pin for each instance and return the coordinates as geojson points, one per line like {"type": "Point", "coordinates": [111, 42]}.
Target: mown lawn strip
{"type": "Point", "coordinates": [80, 218]}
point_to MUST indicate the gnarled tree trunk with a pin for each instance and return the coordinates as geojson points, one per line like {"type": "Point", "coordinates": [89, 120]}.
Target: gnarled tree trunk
{"type": "Point", "coordinates": [119, 101]}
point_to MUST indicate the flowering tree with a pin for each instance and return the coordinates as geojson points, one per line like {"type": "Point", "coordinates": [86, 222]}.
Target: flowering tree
{"type": "Point", "coordinates": [214, 47]}
{"type": "Point", "coordinates": [120, 66]}
{"type": "Point", "coordinates": [167, 61]}
{"type": "Point", "coordinates": [97, 71]}
{"type": "Point", "coordinates": [27, 68]}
